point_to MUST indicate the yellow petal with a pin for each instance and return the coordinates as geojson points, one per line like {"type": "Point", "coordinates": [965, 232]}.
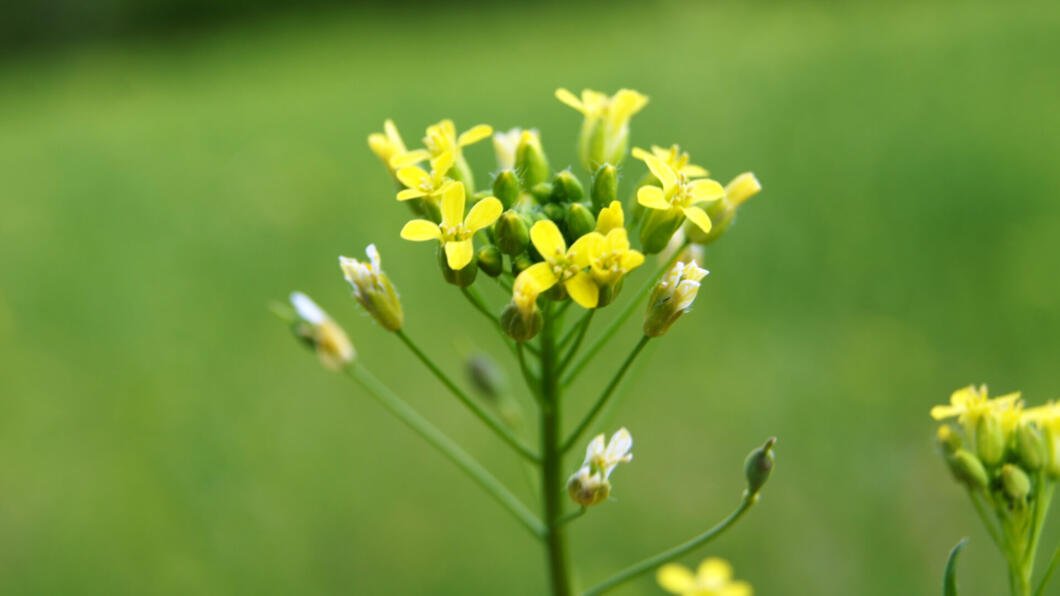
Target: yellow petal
{"type": "Point", "coordinates": [583, 290]}
{"type": "Point", "coordinates": [453, 204]}
{"type": "Point", "coordinates": [535, 279]}
{"type": "Point", "coordinates": [675, 578]}
{"type": "Point", "coordinates": [413, 177]}
{"type": "Point", "coordinates": [410, 193]}
{"type": "Point", "coordinates": [584, 248]}
{"type": "Point", "coordinates": [714, 569]}
{"type": "Point", "coordinates": [940, 412]}
{"type": "Point", "coordinates": [624, 105]}
{"type": "Point", "coordinates": [652, 197]}
{"type": "Point", "coordinates": [694, 171]}
{"type": "Point", "coordinates": [458, 253]}
{"type": "Point", "coordinates": [698, 217]}
{"type": "Point", "coordinates": [639, 153]}
{"type": "Point", "coordinates": [742, 188]}
{"type": "Point", "coordinates": [660, 170]}
{"type": "Point", "coordinates": [419, 230]}
{"type": "Point", "coordinates": [706, 190]}
{"type": "Point", "coordinates": [483, 214]}
{"type": "Point", "coordinates": [570, 99]}
{"type": "Point", "coordinates": [617, 240]}
{"type": "Point", "coordinates": [476, 134]}
{"type": "Point", "coordinates": [631, 260]}
{"type": "Point", "coordinates": [441, 164]}
{"type": "Point", "coordinates": [548, 240]}
{"type": "Point", "coordinates": [610, 217]}
{"type": "Point", "coordinates": [738, 588]}
{"type": "Point", "coordinates": [402, 160]}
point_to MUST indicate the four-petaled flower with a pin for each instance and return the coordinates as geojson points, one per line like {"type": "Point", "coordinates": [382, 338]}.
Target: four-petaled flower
{"type": "Point", "coordinates": [713, 577]}
{"type": "Point", "coordinates": [455, 231]}
{"type": "Point", "coordinates": [678, 192]}
{"type": "Point", "coordinates": [424, 184]}
{"type": "Point", "coordinates": [611, 257]}
{"type": "Point", "coordinates": [561, 265]}
{"type": "Point", "coordinates": [387, 145]}
{"type": "Point", "coordinates": [605, 131]}
{"type": "Point", "coordinates": [675, 158]}
{"type": "Point", "coordinates": [442, 138]}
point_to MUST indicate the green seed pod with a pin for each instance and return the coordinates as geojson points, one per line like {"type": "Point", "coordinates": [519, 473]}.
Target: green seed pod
{"type": "Point", "coordinates": [1030, 446]}
{"type": "Point", "coordinates": [605, 187]}
{"type": "Point", "coordinates": [658, 227]}
{"type": "Point", "coordinates": [758, 467]}
{"type": "Point", "coordinates": [520, 324]}
{"type": "Point", "coordinates": [989, 439]}
{"type": "Point", "coordinates": [566, 188]}
{"type": "Point", "coordinates": [512, 233]}
{"type": "Point", "coordinates": [1015, 481]}
{"type": "Point", "coordinates": [506, 188]}
{"type": "Point", "coordinates": [530, 161]}
{"type": "Point", "coordinates": [461, 278]}
{"type": "Point", "coordinates": [967, 469]}
{"type": "Point", "coordinates": [490, 260]}
{"type": "Point", "coordinates": [579, 222]}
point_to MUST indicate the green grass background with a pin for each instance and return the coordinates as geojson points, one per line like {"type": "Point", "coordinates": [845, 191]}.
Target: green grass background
{"type": "Point", "coordinates": [160, 433]}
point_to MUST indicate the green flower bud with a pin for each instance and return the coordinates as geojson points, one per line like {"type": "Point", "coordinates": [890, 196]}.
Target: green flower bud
{"type": "Point", "coordinates": [490, 260]}
{"type": "Point", "coordinates": [1030, 446]}
{"type": "Point", "coordinates": [530, 161]}
{"type": "Point", "coordinates": [758, 466]}
{"type": "Point", "coordinates": [555, 212]}
{"type": "Point", "coordinates": [461, 278]}
{"type": "Point", "coordinates": [658, 227]}
{"type": "Point", "coordinates": [520, 263]}
{"type": "Point", "coordinates": [1015, 482]}
{"type": "Point", "coordinates": [486, 376]}
{"type": "Point", "coordinates": [566, 188]}
{"type": "Point", "coordinates": [521, 319]}
{"type": "Point", "coordinates": [542, 192]}
{"type": "Point", "coordinates": [512, 233]}
{"type": "Point", "coordinates": [605, 187]}
{"type": "Point", "coordinates": [967, 469]}
{"type": "Point", "coordinates": [506, 188]}
{"type": "Point", "coordinates": [989, 439]}
{"type": "Point", "coordinates": [579, 222]}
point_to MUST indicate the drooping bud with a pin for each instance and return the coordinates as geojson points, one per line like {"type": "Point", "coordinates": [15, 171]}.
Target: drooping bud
{"type": "Point", "coordinates": [658, 227]}
{"type": "Point", "coordinates": [460, 278]}
{"type": "Point", "coordinates": [672, 297]}
{"type": "Point", "coordinates": [512, 233]}
{"type": "Point", "coordinates": [486, 376]}
{"type": "Point", "coordinates": [566, 188]}
{"type": "Point", "coordinates": [1015, 482]}
{"type": "Point", "coordinates": [1030, 446]}
{"type": "Point", "coordinates": [506, 188]}
{"type": "Point", "coordinates": [490, 260]}
{"type": "Point", "coordinates": [758, 466]}
{"type": "Point", "coordinates": [990, 439]}
{"type": "Point", "coordinates": [605, 187]}
{"type": "Point", "coordinates": [313, 326]}
{"type": "Point", "coordinates": [579, 222]}
{"type": "Point", "coordinates": [530, 162]}
{"type": "Point", "coordinates": [967, 469]}
{"type": "Point", "coordinates": [373, 290]}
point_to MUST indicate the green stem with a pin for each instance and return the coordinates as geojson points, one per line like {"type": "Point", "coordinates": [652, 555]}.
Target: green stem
{"type": "Point", "coordinates": [1048, 572]}
{"type": "Point", "coordinates": [573, 515]}
{"type": "Point", "coordinates": [476, 301]}
{"type": "Point", "coordinates": [617, 323]}
{"type": "Point", "coordinates": [575, 330]}
{"type": "Point", "coordinates": [532, 381]}
{"type": "Point", "coordinates": [584, 328]}
{"type": "Point", "coordinates": [484, 415]}
{"type": "Point", "coordinates": [608, 391]}
{"type": "Point", "coordinates": [552, 460]}
{"type": "Point", "coordinates": [669, 555]}
{"type": "Point", "coordinates": [448, 448]}
{"type": "Point", "coordinates": [985, 519]}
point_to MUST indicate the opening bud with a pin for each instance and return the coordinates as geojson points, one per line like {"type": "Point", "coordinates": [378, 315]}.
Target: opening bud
{"type": "Point", "coordinates": [314, 327]}
{"type": "Point", "coordinates": [605, 187]}
{"type": "Point", "coordinates": [672, 297]}
{"type": "Point", "coordinates": [758, 467]}
{"type": "Point", "coordinates": [373, 290]}
{"type": "Point", "coordinates": [521, 319]}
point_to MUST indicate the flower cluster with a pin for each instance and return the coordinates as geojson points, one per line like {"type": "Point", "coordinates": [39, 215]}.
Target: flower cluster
{"type": "Point", "coordinates": [1008, 459]}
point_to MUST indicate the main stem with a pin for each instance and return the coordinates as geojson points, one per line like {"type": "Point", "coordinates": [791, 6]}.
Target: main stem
{"type": "Point", "coordinates": [552, 459]}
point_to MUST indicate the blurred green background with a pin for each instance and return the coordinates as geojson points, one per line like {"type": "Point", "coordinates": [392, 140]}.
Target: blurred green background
{"type": "Point", "coordinates": [160, 432]}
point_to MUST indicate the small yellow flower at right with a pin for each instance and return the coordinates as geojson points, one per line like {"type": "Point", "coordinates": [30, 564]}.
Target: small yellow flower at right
{"type": "Point", "coordinates": [678, 192]}
{"type": "Point", "coordinates": [712, 578]}
{"type": "Point", "coordinates": [675, 158]}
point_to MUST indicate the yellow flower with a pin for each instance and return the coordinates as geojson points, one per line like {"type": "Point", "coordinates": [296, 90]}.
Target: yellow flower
{"type": "Point", "coordinates": [970, 403]}
{"type": "Point", "coordinates": [712, 578]}
{"type": "Point", "coordinates": [332, 344]}
{"type": "Point", "coordinates": [605, 131]}
{"type": "Point", "coordinates": [610, 217]}
{"type": "Point", "coordinates": [678, 192]}
{"type": "Point", "coordinates": [387, 144]}
{"type": "Point", "coordinates": [423, 184]}
{"type": "Point", "coordinates": [591, 483]}
{"type": "Point", "coordinates": [561, 265]}
{"type": "Point", "coordinates": [675, 158]}
{"type": "Point", "coordinates": [455, 231]}
{"type": "Point", "coordinates": [611, 257]}
{"type": "Point", "coordinates": [442, 138]}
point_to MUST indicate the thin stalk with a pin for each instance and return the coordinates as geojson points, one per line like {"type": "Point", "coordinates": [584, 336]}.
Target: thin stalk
{"type": "Point", "coordinates": [608, 391]}
{"type": "Point", "coordinates": [1048, 572]}
{"type": "Point", "coordinates": [476, 301]}
{"type": "Point", "coordinates": [573, 331]}
{"type": "Point", "coordinates": [447, 447]}
{"type": "Point", "coordinates": [484, 415]}
{"type": "Point", "coordinates": [552, 460]}
{"type": "Point", "coordinates": [566, 519]}
{"type": "Point", "coordinates": [669, 555]}
{"type": "Point", "coordinates": [532, 381]}
{"type": "Point", "coordinates": [584, 328]}
{"type": "Point", "coordinates": [985, 519]}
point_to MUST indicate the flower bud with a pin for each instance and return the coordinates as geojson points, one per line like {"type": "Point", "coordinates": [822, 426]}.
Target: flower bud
{"type": "Point", "coordinates": [490, 260]}
{"type": "Point", "coordinates": [522, 319]}
{"type": "Point", "coordinates": [520, 263]}
{"type": "Point", "coordinates": [588, 489]}
{"type": "Point", "coordinates": [742, 188]}
{"type": "Point", "coordinates": [566, 188]}
{"type": "Point", "coordinates": [672, 297]}
{"type": "Point", "coordinates": [1015, 482]}
{"type": "Point", "coordinates": [1052, 452]}
{"type": "Point", "coordinates": [486, 376]}
{"type": "Point", "coordinates": [758, 466]}
{"type": "Point", "coordinates": [542, 192]}
{"type": "Point", "coordinates": [579, 222]}
{"type": "Point", "coordinates": [605, 187]}
{"type": "Point", "coordinates": [313, 326]}
{"type": "Point", "coordinates": [530, 161]}
{"type": "Point", "coordinates": [658, 227]}
{"type": "Point", "coordinates": [967, 469]}
{"type": "Point", "coordinates": [506, 188]}
{"type": "Point", "coordinates": [1030, 446]}
{"type": "Point", "coordinates": [556, 213]}
{"type": "Point", "coordinates": [990, 439]}
{"type": "Point", "coordinates": [373, 290]}
{"type": "Point", "coordinates": [949, 441]}
{"type": "Point", "coordinates": [512, 233]}
{"type": "Point", "coordinates": [460, 278]}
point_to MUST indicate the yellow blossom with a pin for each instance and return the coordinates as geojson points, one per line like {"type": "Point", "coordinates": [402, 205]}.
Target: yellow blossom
{"type": "Point", "coordinates": [455, 231]}
{"type": "Point", "coordinates": [611, 257]}
{"type": "Point", "coordinates": [387, 144]}
{"type": "Point", "coordinates": [442, 138]}
{"type": "Point", "coordinates": [605, 131]}
{"type": "Point", "coordinates": [331, 343]}
{"type": "Point", "coordinates": [675, 158]}
{"type": "Point", "coordinates": [423, 184]}
{"type": "Point", "coordinates": [712, 578]}
{"type": "Point", "coordinates": [610, 217]}
{"type": "Point", "coordinates": [970, 403]}
{"type": "Point", "coordinates": [678, 192]}
{"type": "Point", "coordinates": [561, 265]}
